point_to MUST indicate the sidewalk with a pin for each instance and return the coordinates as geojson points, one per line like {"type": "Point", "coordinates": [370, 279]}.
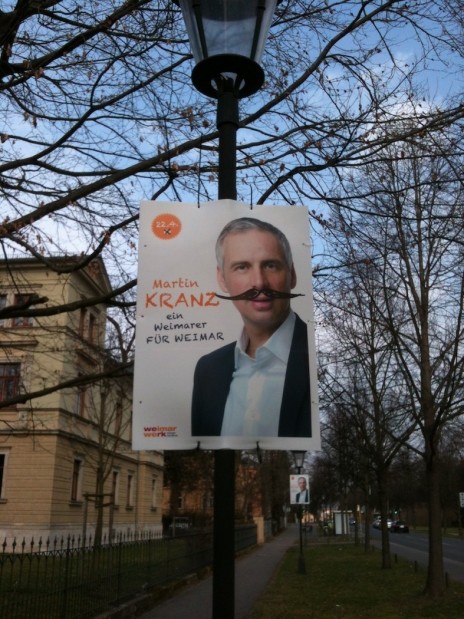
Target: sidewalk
{"type": "Point", "coordinates": [253, 572]}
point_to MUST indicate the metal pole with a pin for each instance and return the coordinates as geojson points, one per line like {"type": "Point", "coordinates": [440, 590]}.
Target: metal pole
{"type": "Point", "coordinates": [224, 535]}
{"type": "Point", "coordinates": [224, 459]}
{"type": "Point", "coordinates": [227, 123]}
{"type": "Point", "coordinates": [301, 568]}
{"type": "Point", "coordinates": [301, 560]}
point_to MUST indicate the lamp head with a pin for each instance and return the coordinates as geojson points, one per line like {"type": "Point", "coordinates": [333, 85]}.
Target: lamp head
{"type": "Point", "coordinates": [227, 39]}
{"type": "Point", "coordinates": [298, 458]}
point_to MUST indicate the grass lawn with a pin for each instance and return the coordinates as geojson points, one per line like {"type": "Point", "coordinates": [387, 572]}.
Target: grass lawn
{"type": "Point", "coordinates": [344, 582]}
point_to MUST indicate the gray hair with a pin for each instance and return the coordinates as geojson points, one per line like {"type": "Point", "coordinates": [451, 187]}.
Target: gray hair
{"type": "Point", "coordinates": [243, 224]}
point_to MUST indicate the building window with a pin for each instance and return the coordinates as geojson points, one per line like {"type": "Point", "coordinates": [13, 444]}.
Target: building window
{"type": "Point", "coordinates": [81, 403]}
{"type": "Point", "coordinates": [3, 462]}
{"type": "Point", "coordinates": [82, 321]}
{"type": "Point", "coordinates": [208, 502]}
{"type": "Point", "coordinates": [80, 407]}
{"type": "Point", "coordinates": [3, 303]}
{"type": "Point", "coordinates": [9, 380]}
{"type": "Point", "coordinates": [153, 494]}
{"type": "Point", "coordinates": [130, 490]}
{"type": "Point", "coordinates": [87, 326]}
{"type": "Point", "coordinates": [76, 483]}
{"type": "Point", "coordinates": [22, 321]}
{"type": "Point", "coordinates": [92, 329]}
{"type": "Point", "coordinates": [115, 488]}
{"type": "Point", "coordinates": [118, 418]}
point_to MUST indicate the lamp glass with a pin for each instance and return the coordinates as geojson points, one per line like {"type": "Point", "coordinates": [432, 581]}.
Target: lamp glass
{"type": "Point", "coordinates": [227, 26]}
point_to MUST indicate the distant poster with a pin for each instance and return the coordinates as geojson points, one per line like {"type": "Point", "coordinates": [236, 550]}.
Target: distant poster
{"type": "Point", "coordinates": [225, 354]}
{"type": "Point", "coordinates": [299, 489]}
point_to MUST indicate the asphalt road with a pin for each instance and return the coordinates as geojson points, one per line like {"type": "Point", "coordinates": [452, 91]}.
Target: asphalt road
{"type": "Point", "coordinates": [414, 547]}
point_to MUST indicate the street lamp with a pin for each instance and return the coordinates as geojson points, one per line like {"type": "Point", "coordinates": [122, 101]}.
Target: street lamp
{"type": "Point", "coordinates": [298, 458]}
{"type": "Point", "coordinates": [227, 40]}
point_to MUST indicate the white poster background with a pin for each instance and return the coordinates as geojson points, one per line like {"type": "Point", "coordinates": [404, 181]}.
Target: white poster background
{"type": "Point", "coordinates": [179, 319]}
{"type": "Point", "coordinates": [295, 488]}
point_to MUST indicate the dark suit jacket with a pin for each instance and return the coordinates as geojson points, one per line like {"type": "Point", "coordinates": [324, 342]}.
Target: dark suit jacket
{"type": "Point", "coordinates": [306, 496]}
{"type": "Point", "coordinates": [213, 375]}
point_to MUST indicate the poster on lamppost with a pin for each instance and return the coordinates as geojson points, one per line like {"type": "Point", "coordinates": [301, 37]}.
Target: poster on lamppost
{"type": "Point", "coordinates": [299, 489]}
{"type": "Point", "coordinates": [225, 351]}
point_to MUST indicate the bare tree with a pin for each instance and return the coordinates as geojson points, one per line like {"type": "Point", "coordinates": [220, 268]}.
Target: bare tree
{"type": "Point", "coordinates": [109, 410]}
{"type": "Point", "coordinates": [273, 471]}
{"type": "Point", "coordinates": [189, 474]}
{"type": "Point", "coordinates": [366, 413]}
{"type": "Point", "coordinates": [407, 225]}
{"type": "Point", "coordinates": [324, 484]}
{"type": "Point", "coordinates": [98, 112]}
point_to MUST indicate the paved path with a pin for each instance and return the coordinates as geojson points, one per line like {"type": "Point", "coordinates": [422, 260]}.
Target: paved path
{"type": "Point", "coordinates": [253, 572]}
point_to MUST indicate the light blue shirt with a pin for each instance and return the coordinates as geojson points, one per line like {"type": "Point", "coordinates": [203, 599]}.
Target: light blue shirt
{"type": "Point", "coordinates": [255, 395]}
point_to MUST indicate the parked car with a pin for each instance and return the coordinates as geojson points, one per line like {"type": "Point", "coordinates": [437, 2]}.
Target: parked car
{"type": "Point", "coordinates": [377, 524]}
{"type": "Point", "coordinates": [181, 525]}
{"type": "Point", "coordinates": [399, 526]}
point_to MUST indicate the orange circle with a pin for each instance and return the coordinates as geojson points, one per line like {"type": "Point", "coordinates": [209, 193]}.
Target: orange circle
{"type": "Point", "coordinates": [166, 226]}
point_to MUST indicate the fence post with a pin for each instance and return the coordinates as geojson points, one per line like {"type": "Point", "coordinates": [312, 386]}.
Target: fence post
{"type": "Point", "coordinates": [64, 607]}
{"type": "Point", "coordinates": [119, 566]}
{"type": "Point", "coordinates": [149, 563]}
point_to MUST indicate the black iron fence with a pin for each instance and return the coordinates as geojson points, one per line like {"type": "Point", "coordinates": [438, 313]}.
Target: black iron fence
{"type": "Point", "coordinates": [68, 579]}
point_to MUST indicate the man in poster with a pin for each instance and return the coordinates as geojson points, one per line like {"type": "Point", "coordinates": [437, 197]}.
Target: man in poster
{"type": "Point", "coordinates": [259, 385]}
{"type": "Point", "coordinates": [303, 495]}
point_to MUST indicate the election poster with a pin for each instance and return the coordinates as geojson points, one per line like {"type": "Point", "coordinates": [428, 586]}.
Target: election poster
{"type": "Point", "coordinates": [299, 490]}
{"type": "Point", "coordinates": [224, 352]}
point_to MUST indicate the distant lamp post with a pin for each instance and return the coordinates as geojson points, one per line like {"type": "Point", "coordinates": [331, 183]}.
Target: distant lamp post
{"type": "Point", "coordinates": [227, 40]}
{"type": "Point", "coordinates": [298, 458]}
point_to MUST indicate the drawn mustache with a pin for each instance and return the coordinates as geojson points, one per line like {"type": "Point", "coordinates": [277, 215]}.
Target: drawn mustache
{"type": "Point", "coordinates": [253, 293]}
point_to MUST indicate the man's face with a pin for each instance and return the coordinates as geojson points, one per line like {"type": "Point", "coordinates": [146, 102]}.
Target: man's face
{"type": "Point", "coordinates": [302, 483]}
{"type": "Point", "coordinates": [255, 259]}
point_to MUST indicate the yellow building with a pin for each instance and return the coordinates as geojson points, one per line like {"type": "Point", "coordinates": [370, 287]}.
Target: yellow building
{"type": "Point", "coordinates": [66, 464]}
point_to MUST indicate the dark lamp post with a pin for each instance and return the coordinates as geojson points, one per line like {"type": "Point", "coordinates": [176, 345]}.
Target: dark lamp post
{"type": "Point", "coordinates": [298, 457]}
{"type": "Point", "coordinates": [227, 39]}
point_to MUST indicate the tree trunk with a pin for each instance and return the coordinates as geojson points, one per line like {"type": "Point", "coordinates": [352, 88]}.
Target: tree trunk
{"type": "Point", "coordinates": [367, 527]}
{"type": "Point", "coordinates": [383, 498]}
{"type": "Point", "coordinates": [435, 583]}
{"type": "Point", "coordinates": [99, 506]}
